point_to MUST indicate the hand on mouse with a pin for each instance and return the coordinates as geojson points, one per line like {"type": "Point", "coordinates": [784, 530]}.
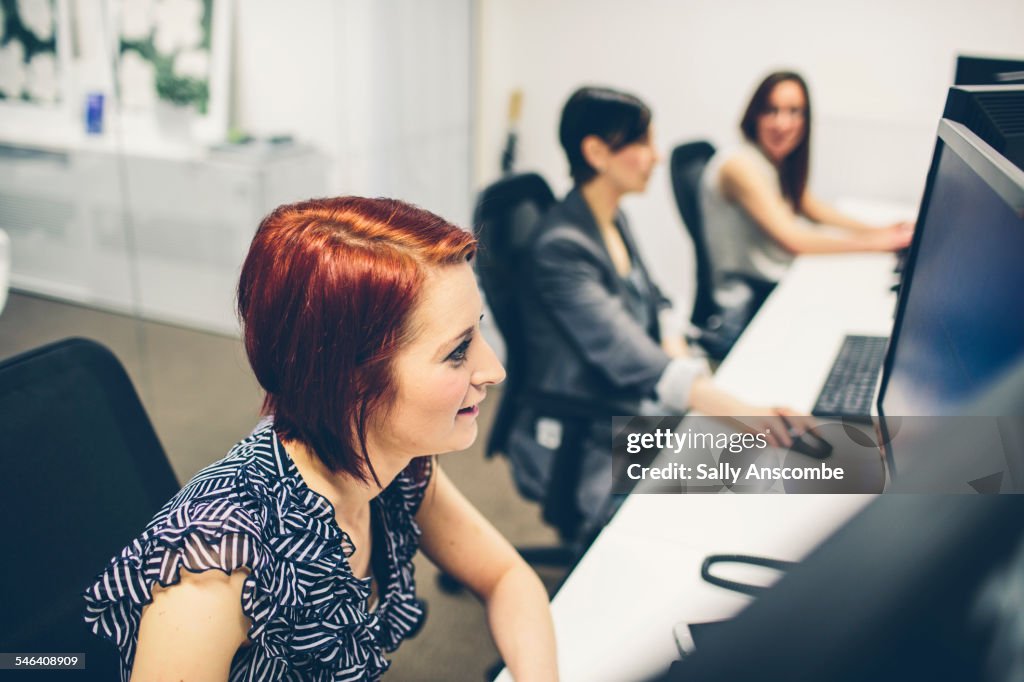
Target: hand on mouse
{"type": "Point", "coordinates": [779, 424]}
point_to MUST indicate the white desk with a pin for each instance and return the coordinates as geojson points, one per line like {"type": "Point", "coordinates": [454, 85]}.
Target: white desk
{"type": "Point", "coordinates": [785, 354]}
{"type": "Point", "coordinates": [614, 615]}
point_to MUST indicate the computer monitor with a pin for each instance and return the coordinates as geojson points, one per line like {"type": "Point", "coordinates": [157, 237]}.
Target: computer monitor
{"type": "Point", "coordinates": [972, 70]}
{"type": "Point", "coordinates": [958, 324]}
{"type": "Point", "coordinates": [995, 113]}
{"type": "Point", "coordinates": [958, 328]}
{"type": "Point", "coordinates": [915, 587]}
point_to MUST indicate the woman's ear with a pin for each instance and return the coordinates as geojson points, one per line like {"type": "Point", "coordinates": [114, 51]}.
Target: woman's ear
{"type": "Point", "coordinates": [595, 151]}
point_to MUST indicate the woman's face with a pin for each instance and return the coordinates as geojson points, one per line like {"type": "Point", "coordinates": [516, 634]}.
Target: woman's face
{"type": "Point", "coordinates": [443, 373]}
{"type": "Point", "coordinates": [782, 125]}
{"type": "Point", "coordinates": [630, 167]}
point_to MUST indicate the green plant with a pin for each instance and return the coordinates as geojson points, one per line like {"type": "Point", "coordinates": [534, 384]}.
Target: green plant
{"type": "Point", "coordinates": [182, 90]}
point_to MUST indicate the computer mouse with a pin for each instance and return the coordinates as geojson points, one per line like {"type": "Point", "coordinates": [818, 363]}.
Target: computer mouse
{"type": "Point", "coordinates": [811, 444]}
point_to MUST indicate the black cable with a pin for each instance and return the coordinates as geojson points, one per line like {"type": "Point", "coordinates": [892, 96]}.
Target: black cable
{"type": "Point", "coordinates": [742, 588]}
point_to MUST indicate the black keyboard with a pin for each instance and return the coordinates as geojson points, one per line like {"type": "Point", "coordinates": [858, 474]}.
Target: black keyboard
{"type": "Point", "coordinates": [850, 388]}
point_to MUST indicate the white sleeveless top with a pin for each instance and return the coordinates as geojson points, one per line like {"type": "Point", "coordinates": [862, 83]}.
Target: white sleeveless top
{"type": "Point", "coordinates": [735, 241]}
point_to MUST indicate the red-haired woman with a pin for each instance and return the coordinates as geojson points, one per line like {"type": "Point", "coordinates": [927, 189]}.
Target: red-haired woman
{"type": "Point", "coordinates": [291, 558]}
{"type": "Point", "coordinates": [758, 211]}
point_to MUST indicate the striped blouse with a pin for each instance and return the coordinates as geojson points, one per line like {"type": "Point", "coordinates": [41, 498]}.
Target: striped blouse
{"type": "Point", "coordinates": [309, 614]}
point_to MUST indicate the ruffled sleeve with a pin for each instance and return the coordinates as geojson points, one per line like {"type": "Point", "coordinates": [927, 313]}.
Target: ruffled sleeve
{"type": "Point", "coordinates": [308, 613]}
{"type": "Point", "coordinates": [195, 536]}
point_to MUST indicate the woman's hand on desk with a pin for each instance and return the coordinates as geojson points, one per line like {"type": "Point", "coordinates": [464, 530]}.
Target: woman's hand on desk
{"type": "Point", "coordinates": [891, 238]}
{"type": "Point", "coordinates": [905, 225]}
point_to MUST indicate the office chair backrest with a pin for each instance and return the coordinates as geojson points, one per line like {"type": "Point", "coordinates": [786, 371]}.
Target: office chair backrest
{"type": "Point", "coordinates": [83, 473]}
{"type": "Point", "coordinates": [686, 167]}
{"type": "Point", "coordinates": [506, 214]}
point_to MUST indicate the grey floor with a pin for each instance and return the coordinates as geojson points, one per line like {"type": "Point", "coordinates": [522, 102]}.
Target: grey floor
{"type": "Point", "coordinates": [201, 397]}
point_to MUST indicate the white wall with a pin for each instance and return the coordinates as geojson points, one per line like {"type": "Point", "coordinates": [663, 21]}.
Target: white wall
{"type": "Point", "coordinates": [381, 86]}
{"type": "Point", "coordinates": [286, 68]}
{"type": "Point", "coordinates": [878, 72]}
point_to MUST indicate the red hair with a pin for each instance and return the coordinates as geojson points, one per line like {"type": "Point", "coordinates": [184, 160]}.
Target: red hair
{"type": "Point", "coordinates": [325, 298]}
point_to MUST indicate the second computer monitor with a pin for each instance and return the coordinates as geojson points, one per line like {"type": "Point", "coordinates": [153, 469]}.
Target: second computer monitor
{"type": "Point", "coordinates": [959, 324]}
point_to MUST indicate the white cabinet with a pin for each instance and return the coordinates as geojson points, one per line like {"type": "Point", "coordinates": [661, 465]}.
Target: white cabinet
{"type": "Point", "coordinates": [160, 237]}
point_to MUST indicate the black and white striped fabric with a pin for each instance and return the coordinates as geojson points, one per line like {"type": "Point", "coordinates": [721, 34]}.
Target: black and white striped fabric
{"type": "Point", "coordinates": [309, 613]}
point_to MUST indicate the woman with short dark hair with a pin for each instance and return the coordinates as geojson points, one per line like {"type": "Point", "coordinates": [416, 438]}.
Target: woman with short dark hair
{"type": "Point", "coordinates": [600, 333]}
{"type": "Point", "coordinates": [758, 212]}
{"type": "Point", "coordinates": [291, 558]}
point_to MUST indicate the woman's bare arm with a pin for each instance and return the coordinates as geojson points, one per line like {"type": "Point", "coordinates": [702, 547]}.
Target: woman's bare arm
{"type": "Point", "coordinates": [820, 212]}
{"type": "Point", "coordinates": [191, 630]}
{"type": "Point", "coordinates": [740, 183]}
{"type": "Point", "coordinates": [464, 544]}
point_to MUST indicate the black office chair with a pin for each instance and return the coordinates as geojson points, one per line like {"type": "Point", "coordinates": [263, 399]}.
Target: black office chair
{"type": "Point", "coordinates": [717, 327]}
{"type": "Point", "coordinates": [83, 472]}
{"type": "Point", "coordinates": [506, 215]}
{"type": "Point", "coordinates": [504, 219]}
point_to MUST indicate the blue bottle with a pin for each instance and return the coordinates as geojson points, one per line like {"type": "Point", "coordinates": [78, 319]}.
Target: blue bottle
{"type": "Point", "coordinates": [94, 113]}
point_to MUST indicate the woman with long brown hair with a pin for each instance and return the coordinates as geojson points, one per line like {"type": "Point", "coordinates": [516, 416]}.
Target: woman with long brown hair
{"type": "Point", "coordinates": [758, 211]}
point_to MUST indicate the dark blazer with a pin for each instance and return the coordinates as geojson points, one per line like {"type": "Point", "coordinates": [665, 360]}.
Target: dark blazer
{"type": "Point", "coordinates": [584, 339]}
{"type": "Point", "coordinates": [586, 345]}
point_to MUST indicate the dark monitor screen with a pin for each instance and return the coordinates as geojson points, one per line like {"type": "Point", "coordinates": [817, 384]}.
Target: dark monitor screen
{"type": "Point", "coordinates": [960, 319]}
{"type": "Point", "coordinates": [915, 587]}
{"type": "Point", "coordinates": [988, 71]}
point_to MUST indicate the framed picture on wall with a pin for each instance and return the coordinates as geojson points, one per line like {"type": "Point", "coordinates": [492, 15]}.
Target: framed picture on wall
{"type": "Point", "coordinates": [33, 67]}
{"type": "Point", "coordinates": [29, 66]}
{"type": "Point", "coordinates": [160, 69]}
{"type": "Point", "coordinates": [172, 60]}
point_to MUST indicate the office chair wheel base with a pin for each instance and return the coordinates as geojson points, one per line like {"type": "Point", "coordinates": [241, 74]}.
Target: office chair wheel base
{"type": "Point", "coordinates": [448, 584]}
